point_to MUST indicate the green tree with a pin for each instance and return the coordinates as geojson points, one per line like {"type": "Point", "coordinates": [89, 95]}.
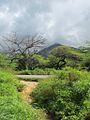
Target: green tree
{"type": "Point", "coordinates": [86, 57]}
{"type": "Point", "coordinates": [5, 62]}
{"type": "Point", "coordinates": [62, 55]}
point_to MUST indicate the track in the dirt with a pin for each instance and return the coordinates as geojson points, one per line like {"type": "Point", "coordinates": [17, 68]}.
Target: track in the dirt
{"type": "Point", "coordinates": [27, 90]}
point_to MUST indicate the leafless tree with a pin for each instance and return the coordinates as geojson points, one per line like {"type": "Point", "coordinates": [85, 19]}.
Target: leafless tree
{"type": "Point", "coordinates": [14, 44]}
{"type": "Point", "coordinates": [21, 46]}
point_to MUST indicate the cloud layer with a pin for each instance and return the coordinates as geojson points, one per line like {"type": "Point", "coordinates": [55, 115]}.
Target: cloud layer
{"type": "Point", "coordinates": [63, 21]}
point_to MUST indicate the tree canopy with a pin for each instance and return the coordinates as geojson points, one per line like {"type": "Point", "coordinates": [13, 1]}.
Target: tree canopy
{"type": "Point", "coordinates": [58, 57]}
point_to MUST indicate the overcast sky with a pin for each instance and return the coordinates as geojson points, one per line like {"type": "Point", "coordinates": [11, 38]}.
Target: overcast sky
{"type": "Point", "coordinates": [63, 21]}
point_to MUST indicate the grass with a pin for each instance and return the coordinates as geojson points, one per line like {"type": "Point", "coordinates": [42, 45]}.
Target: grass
{"type": "Point", "coordinates": [37, 71]}
{"type": "Point", "coordinates": [12, 107]}
{"type": "Point", "coordinates": [65, 96]}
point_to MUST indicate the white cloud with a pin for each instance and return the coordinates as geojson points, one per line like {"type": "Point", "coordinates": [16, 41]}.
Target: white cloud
{"type": "Point", "coordinates": [64, 21]}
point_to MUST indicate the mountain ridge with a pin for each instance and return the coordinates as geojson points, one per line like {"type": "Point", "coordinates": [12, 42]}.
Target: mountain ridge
{"type": "Point", "coordinates": [46, 51]}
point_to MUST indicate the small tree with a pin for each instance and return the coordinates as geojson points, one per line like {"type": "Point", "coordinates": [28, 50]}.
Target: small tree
{"type": "Point", "coordinates": [21, 47]}
{"type": "Point", "coordinates": [86, 56]}
{"type": "Point", "coordinates": [42, 62]}
{"type": "Point", "coordinates": [61, 55]}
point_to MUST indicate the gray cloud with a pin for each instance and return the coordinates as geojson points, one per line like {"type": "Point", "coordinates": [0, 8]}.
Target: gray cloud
{"type": "Point", "coordinates": [64, 21]}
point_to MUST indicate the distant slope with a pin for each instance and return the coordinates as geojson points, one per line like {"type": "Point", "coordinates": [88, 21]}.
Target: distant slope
{"type": "Point", "coordinates": [46, 51]}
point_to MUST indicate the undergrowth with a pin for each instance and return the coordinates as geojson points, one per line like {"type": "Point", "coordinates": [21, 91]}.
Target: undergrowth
{"type": "Point", "coordinates": [66, 96]}
{"type": "Point", "coordinates": [37, 71]}
{"type": "Point", "coordinates": [12, 107]}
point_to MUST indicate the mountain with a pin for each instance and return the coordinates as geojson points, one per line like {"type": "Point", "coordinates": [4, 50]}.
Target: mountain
{"type": "Point", "coordinates": [46, 51]}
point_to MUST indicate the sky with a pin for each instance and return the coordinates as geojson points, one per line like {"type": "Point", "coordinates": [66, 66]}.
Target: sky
{"type": "Point", "coordinates": [60, 21]}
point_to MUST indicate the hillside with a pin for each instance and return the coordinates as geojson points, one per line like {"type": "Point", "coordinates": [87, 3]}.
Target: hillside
{"type": "Point", "coordinates": [46, 51]}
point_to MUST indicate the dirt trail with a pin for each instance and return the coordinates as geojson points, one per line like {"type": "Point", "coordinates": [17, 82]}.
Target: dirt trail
{"type": "Point", "coordinates": [29, 85]}
{"type": "Point", "coordinates": [33, 76]}
{"type": "Point", "coordinates": [28, 88]}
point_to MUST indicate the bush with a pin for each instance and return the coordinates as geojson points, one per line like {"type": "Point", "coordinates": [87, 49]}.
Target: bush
{"type": "Point", "coordinates": [86, 63]}
{"type": "Point", "coordinates": [5, 62]}
{"type": "Point", "coordinates": [38, 71]}
{"type": "Point", "coordinates": [65, 97]}
{"type": "Point", "coordinates": [12, 107]}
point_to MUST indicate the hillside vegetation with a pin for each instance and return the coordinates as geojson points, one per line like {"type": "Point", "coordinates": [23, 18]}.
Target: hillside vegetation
{"type": "Point", "coordinates": [12, 107]}
{"type": "Point", "coordinates": [65, 95]}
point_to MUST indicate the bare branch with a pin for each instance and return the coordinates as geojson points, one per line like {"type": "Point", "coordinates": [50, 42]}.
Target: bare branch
{"type": "Point", "coordinates": [22, 45]}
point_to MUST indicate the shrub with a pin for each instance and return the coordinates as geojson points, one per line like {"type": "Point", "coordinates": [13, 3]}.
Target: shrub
{"type": "Point", "coordinates": [65, 97]}
{"type": "Point", "coordinates": [38, 71]}
{"type": "Point", "coordinates": [86, 63]}
{"type": "Point", "coordinates": [72, 74]}
{"type": "Point", "coordinates": [5, 62]}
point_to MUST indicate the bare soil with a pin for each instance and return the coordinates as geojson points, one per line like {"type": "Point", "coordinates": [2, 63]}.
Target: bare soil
{"type": "Point", "coordinates": [27, 90]}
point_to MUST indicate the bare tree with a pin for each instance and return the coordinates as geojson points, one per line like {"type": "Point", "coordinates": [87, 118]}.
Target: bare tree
{"type": "Point", "coordinates": [21, 46]}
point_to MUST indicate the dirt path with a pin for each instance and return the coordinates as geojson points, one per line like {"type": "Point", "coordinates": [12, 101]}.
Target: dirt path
{"type": "Point", "coordinates": [29, 85]}
{"type": "Point", "coordinates": [33, 76]}
{"type": "Point", "coordinates": [28, 88]}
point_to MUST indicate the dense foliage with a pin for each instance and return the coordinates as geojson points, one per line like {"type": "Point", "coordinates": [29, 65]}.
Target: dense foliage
{"type": "Point", "coordinates": [5, 62]}
{"type": "Point", "coordinates": [58, 58]}
{"type": "Point", "coordinates": [66, 96]}
{"type": "Point", "coordinates": [64, 56]}
{"type": "Point", "coordinates": [86, 58]}
{"type": "Point", "coordinates": [11, 105]}
{"type": "Point", "coordinates": [39, 71]}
